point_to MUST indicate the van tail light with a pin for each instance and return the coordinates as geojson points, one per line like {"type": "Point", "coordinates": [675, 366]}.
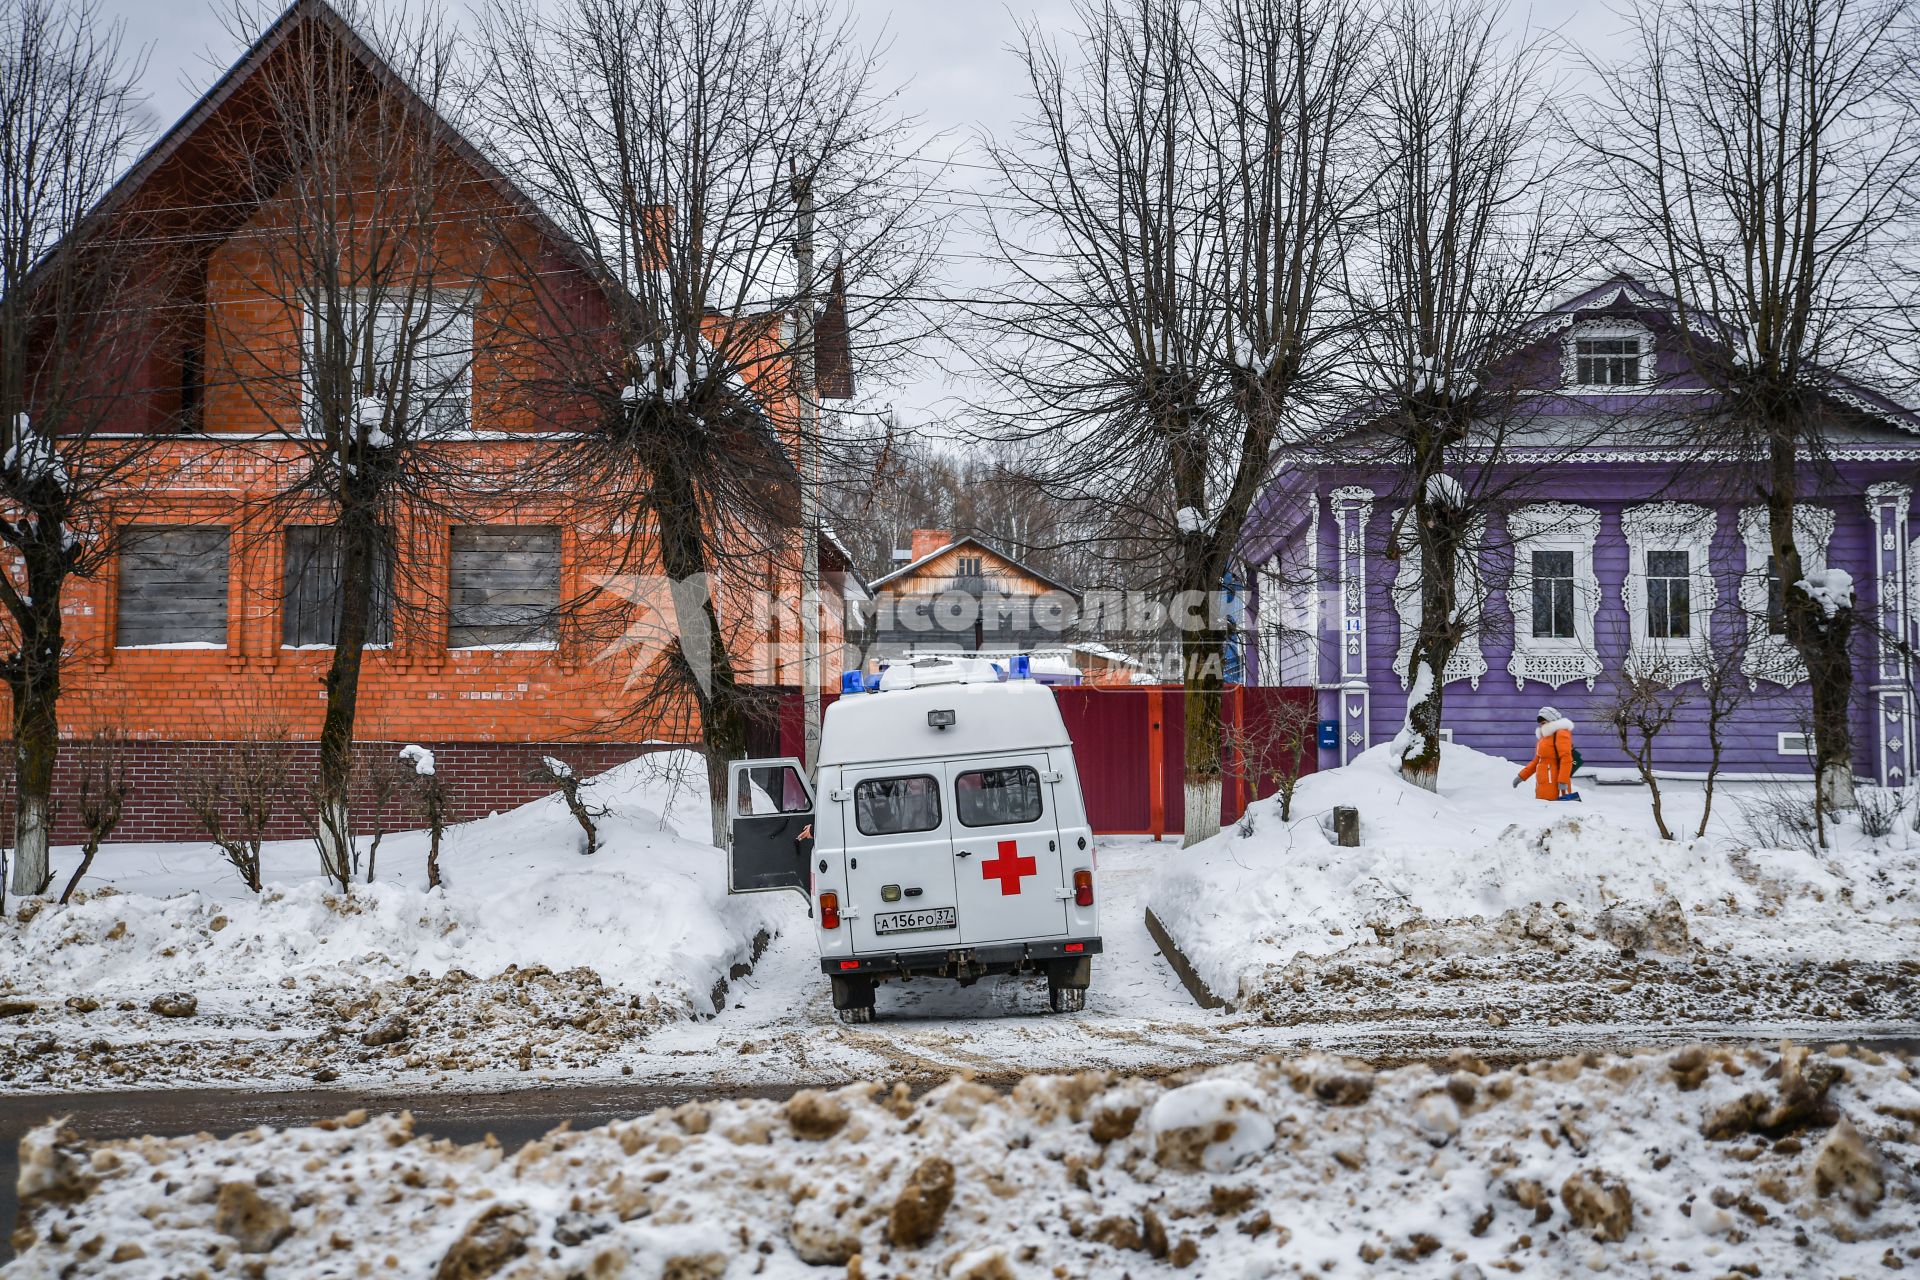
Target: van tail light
{"type": "Point", "coordinates": [829, 911]}
{"type": "Point", "coordinates": [1083, 887]}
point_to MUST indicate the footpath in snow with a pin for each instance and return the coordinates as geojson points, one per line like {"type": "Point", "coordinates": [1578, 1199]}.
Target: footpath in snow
{"type": "Point", "coordinates": [1702, 1161]}
{"type": "Point", "coordinates": [1481, 904]}
{"type": "Point", "coordinates": [165, 969]}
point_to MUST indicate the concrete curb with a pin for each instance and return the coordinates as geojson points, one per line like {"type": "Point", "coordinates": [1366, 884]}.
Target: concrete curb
{"type": "Point", "coordinates": [1182, 967]}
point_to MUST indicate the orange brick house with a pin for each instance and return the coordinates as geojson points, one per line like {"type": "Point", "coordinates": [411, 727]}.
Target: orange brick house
{"type": "Point", "coordinates": [199, 636]}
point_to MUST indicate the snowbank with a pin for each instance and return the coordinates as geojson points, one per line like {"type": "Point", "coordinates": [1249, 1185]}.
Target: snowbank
{"type": "Point", "coordinates": [1702, 1160]}
{"type": "Point", "coordinates": [648, 915]}
{"type": "Point", "coordinates": [1482, 854]}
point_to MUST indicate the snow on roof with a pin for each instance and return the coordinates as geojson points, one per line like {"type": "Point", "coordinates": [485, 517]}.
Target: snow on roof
{"type": "Point", "coordinates": [989, 718]}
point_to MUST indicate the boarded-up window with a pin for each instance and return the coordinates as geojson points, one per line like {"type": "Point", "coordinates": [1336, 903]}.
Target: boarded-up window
{"type": "Point", "coordinates": [505, 587]}
{"type": "Point", "coordinates": [310, 609]}
{"type": "Point", "coordinates": [173, 586]}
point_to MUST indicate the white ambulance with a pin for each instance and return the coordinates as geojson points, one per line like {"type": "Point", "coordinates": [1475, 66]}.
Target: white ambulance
{"type": "Point", "coordinates": [942, 835]}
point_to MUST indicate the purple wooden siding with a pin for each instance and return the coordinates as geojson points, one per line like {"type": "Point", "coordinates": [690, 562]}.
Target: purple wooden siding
{"type": "Point", "coordinates": [1498, 718]}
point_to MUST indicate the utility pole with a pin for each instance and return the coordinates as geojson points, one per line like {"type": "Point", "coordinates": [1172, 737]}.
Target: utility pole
{"type": "Point", "coordinates": [808, 462]}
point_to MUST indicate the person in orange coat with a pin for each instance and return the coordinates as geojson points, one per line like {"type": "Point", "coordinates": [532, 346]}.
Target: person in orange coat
{"type": "Point", "coordinates": [1552, 765]}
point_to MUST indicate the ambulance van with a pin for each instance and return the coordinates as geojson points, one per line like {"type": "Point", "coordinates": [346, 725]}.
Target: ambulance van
{"type": "Point", "coordinates": [942, 835]}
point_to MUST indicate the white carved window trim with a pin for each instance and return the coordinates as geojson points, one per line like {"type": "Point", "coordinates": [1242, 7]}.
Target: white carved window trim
{"type": "Point", "coordinates": [1554, 661]}
{"type": "Point", "coordinates": [1770, 657]}
{"type": "Point", "coordinates": [1467, 662]}
{"type": "Point", "coordinates": [1569, 360]}
{"type": "Point", "coordinates": [1670, 526]}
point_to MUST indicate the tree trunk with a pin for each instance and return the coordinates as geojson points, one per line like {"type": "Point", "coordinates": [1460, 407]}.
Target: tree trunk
{"type": "Point", "coordinates": [1438, 534]}
{"type": "Point", "coordinates": [334, 829]}
{"type": "Point", "coordinates": [1821, 641]}
{"type": "Point", "coordinates": [703, 646]}
{"type": "Point", "coordinates": [1203, 698]}
{"type": "Point", "coordinates": [34, 682]}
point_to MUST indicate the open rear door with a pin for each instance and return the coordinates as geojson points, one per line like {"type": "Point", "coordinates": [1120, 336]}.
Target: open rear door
{"type": "Point", "coordinates": [769, 826]}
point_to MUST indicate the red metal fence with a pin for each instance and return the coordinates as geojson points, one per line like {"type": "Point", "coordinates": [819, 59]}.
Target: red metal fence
{"type": "Point", "coordinates": [1130, 745]}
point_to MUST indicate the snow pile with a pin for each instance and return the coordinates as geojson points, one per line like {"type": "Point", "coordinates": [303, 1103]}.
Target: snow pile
{"type": "Point", "coordinates": [645, 924]}
{"type": "Point", "coordinates": [1831, 589]}
{"type": "Point", "coordinates": [1189, 520]}
{"type": "Point", "coordinates": [1472, 868]}
{"type": "Point", "coordinates": [420, 758]}
{"type": "Point", "coordinates": [1704, 1160]}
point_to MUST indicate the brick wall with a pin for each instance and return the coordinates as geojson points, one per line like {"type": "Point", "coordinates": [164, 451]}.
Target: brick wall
{"type": "Point", "coordinates": [487, 776]}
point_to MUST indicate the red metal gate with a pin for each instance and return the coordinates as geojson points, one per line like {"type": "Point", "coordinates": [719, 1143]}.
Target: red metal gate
{"type": "Point", "coordinates": [1129, 742]}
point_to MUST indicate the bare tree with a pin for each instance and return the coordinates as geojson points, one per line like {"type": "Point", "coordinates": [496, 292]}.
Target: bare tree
{"type": "Point", "coordinates": [1643, 707]}
{"type": "Point", "coordinates": [79, 277]}
{"type": "Point", "coordinates": [1768, 173]}
{"type": "Point", "coordinates": [105, 781]}
{"type": "Point", "coordinates": [434, 796]}
{"type": "Point", "coordinates": [1463, 246]}
{"type": "Point", "coordinates": [366, 211]}
{"type": "Point", "coordinates": [560, 775]}
{"type": "Point", "coordinates": [1272, 750]}
{"type": "Point", "coordinates": [1180, 183]}
{"type": "Point", "coordinates": [236, 795]}
{"type": "Point", "coordinates": [379, 780]}
{"type": "Point", "coordinates": [1724, 691]}
{"type": "Point", "coordinates": [686, 153]}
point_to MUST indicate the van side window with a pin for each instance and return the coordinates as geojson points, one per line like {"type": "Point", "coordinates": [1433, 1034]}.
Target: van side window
{"type": "Point", "coordinates": [996, 797]}
{"type": "Point", "coordinates": [895, 806]}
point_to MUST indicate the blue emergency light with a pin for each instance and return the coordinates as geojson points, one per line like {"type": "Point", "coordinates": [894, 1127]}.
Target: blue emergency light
{"type": "Point", "coordinates": [851, 682]}
{"type": "Point", "coordinates": [1022, 667]}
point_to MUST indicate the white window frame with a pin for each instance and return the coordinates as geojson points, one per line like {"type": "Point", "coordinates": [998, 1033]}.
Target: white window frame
{"type": "Point", "coordinates": [1801, 749]}
{"type": "Point", "coordinates": [1467, 661]}
{"type": "Point", "coordinates": [1670, 526]}
{"type": "Point", "coordinates": [1769, 657]}
{"type": "Point", "coordinates": [1603, 329]}
{"type": "Point", "coordinates": [459, 325]}
{"type": "Point", "coordinates": [1554, 660]}
{"type": "Point", "coordinates": [1286, 626]}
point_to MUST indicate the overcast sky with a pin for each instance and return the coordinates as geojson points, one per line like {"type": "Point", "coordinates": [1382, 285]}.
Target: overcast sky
{"type": "Point", "coordinates": [951, 56]}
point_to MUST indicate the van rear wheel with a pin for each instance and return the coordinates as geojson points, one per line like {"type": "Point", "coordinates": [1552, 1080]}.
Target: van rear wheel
{"type": "Point", "coordinates": [1067, 982]}
{"type": "Point", "coordinates": [853, 999]}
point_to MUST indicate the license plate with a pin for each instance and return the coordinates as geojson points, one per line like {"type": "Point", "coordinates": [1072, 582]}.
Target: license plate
{"type": "Point", "coordinates": [915, 921]}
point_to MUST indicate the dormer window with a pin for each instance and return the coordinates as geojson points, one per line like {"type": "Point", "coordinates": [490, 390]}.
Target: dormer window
{"type": "Point", "coordinates": [1607, 354]}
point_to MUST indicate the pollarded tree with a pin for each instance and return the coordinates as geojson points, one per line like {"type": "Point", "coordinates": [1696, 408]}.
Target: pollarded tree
{"type": "Point", "coordinates": [364, 214]}
{"type": "Point", "coordinates": [1767, 180]}
{"type": "Point", "coordinates": [80, 278]}
{"type": "Point", "coordinates": [1463, 245]}
{"type": "Point", "coordinates": [686, 154]}
{"type": "Point", "coordinates": [1177, 190]}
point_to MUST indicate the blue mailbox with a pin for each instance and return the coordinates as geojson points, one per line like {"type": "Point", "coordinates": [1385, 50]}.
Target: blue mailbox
{"type": "Point", "coordinates": [1329, 735]}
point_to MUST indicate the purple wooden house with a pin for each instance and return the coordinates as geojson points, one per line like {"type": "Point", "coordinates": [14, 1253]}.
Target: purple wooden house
{"type": "Point", "coordinates": [1615, 548]}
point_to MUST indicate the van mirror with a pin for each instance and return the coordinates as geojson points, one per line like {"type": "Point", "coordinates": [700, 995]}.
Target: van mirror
{"type": "Point", "coordinates": [769, 826]}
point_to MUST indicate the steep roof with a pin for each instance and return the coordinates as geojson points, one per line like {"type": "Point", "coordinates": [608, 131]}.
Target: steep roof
{"type": "Point", "coordinates": [905, 570]}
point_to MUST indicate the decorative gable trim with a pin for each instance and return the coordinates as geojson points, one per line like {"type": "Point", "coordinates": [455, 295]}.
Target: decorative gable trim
{"type": "Point", "coordinates": [1769, 657]}
{"type": "Point", "coordinates": [1466, 662]}
{"type": "Point", "coordinates": [1554, 526]}
{"type": "Point", "coordinates": [1669, 526]}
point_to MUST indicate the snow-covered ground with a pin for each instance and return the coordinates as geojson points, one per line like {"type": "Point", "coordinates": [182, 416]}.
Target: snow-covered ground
{"type": "Point", "coordinates": [532, 956]}
{"type": "Point", "coordinates": [1702, 1161]}
{"type": "Point", "coordinates": [1483, 902]}
{"type": "Point", "coordinates": [539, 966]}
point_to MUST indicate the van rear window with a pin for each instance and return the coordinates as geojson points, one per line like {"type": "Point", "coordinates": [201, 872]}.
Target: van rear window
{"type": "Point", "coordinates": [996, 797]}
{"type": "Point", "coordinates": [894, 806]}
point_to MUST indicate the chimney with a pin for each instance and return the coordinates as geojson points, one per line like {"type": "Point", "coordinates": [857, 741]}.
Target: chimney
{"type": "Point", "coordinates": [928, 541]}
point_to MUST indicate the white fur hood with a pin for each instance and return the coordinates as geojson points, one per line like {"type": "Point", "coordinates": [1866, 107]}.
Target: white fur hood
{"type": "Point", "coordinates": [1552, 727]}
